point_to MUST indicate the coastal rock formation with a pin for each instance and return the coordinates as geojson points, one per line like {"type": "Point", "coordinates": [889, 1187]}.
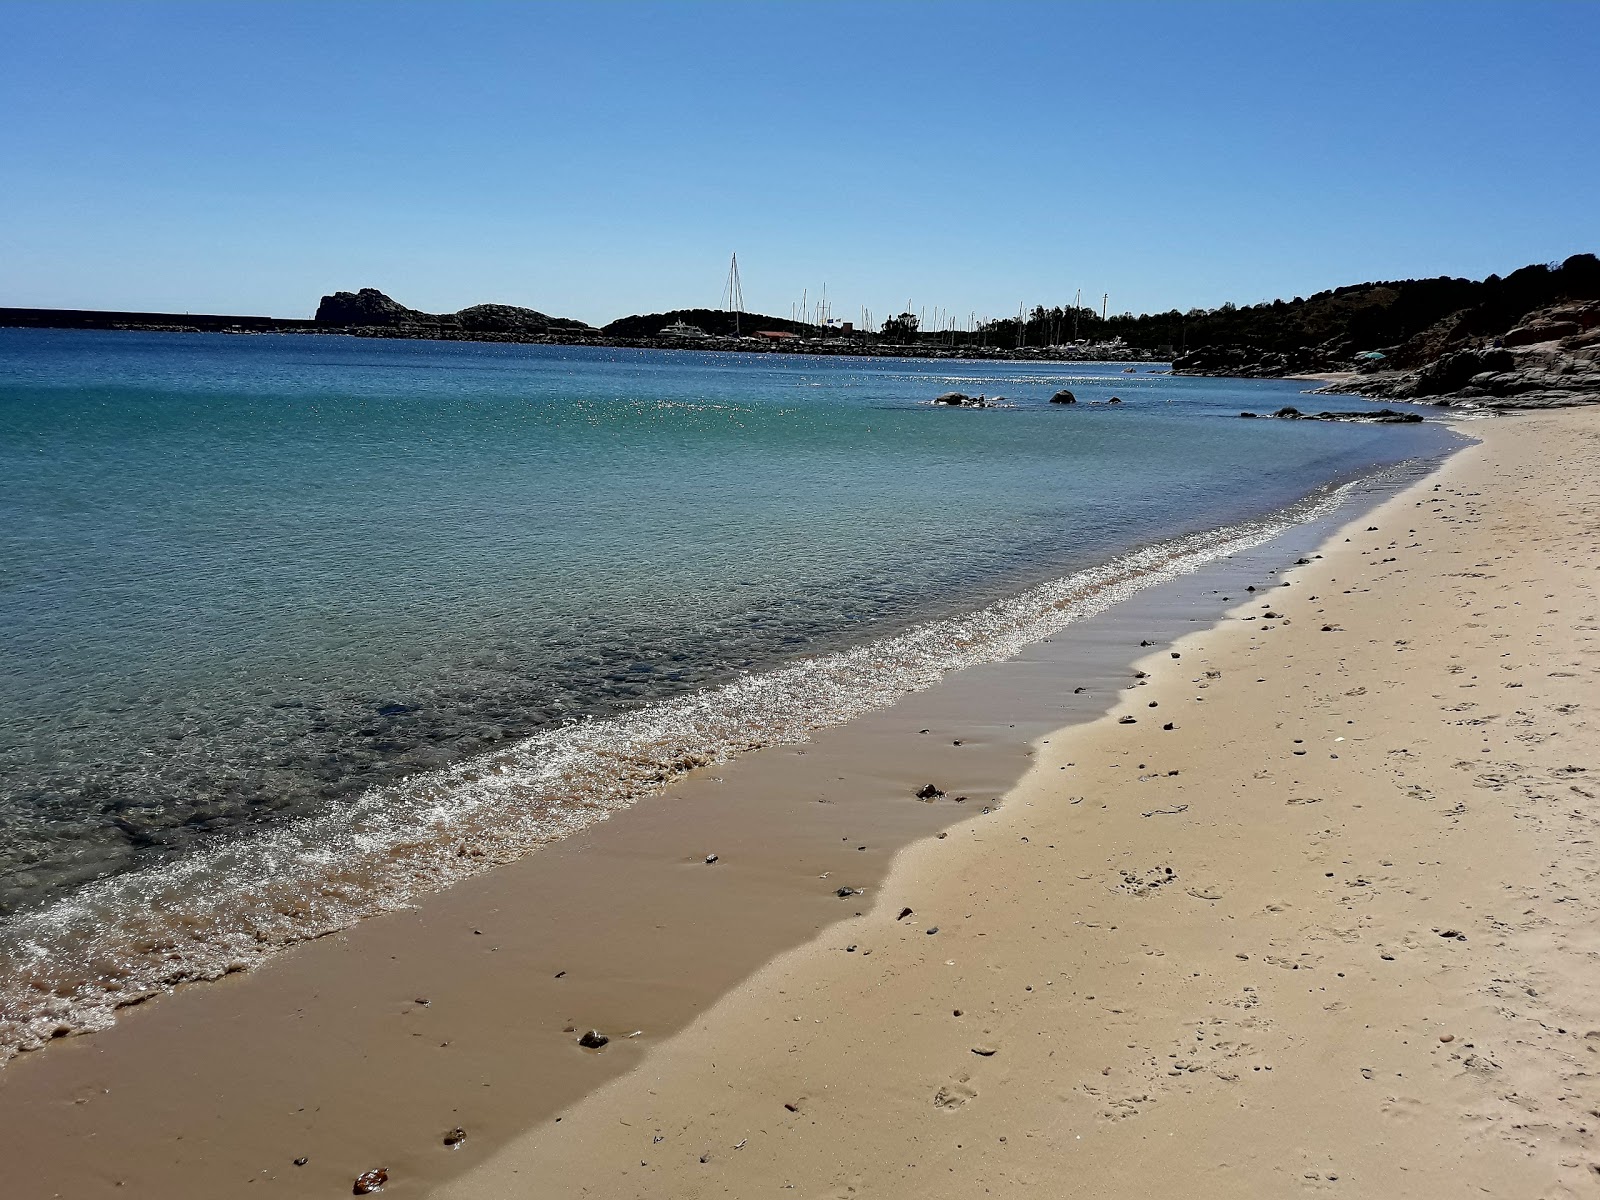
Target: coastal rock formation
{"type": "Point", "coordinates": [1255, 362]}
{"type": "Point", "coordinates": [1063, 397]}
{"type": "Point", "coordinates": [373, 314]}
{"type": "Point", "coordinates": [1382, 416]}
{"type": "Point", "coordinates": [1550, 359]}
{"type": "Point", "coordinates": [1529, 340]}
{"type": "Point", "coordinates": [507, 318]}
{"type": "Point", "coordinates": [962, 400]}
{"type": "Point", "coordinates": [369, 306]}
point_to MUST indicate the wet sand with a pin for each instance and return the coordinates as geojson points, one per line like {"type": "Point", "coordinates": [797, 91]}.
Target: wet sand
{"type": "Point", "coordinates": [1333, 932]}
{"type": "Point", "coordinates": [366, 1048]}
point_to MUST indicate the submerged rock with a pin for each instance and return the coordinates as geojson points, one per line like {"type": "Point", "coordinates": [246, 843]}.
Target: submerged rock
{"type": "Point", "coordinates": [1380, 416]}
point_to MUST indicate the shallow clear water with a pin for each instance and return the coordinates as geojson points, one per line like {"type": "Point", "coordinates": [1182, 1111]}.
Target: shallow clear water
{"type": "Point", "coordinates": [252, 586]}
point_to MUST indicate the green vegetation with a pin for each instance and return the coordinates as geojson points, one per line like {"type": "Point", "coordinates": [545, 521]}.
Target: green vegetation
{"type": "Point", "coordinates": [1404, 317]}
{"type": "Point", "coordinates": [1363, 316]}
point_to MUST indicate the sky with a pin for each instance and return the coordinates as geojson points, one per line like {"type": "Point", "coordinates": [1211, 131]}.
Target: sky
{"type": "Point", "coordinates": [599, 159]}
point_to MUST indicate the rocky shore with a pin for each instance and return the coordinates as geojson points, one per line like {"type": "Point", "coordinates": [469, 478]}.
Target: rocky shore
{"type": "Point", "coordinates": [1550, 358]}
{"type": "Point", "coordinates": [1382, 416]}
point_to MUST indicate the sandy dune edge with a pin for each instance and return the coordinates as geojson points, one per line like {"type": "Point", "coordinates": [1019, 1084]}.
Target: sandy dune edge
{"type": "Point", "coordinates": [1333, 932]}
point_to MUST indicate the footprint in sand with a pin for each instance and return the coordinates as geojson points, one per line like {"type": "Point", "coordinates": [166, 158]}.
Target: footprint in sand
{"type": "Point", "coordinates": [954, 1095]}
{"type": "Point", "coordinates": [1401, 1108]}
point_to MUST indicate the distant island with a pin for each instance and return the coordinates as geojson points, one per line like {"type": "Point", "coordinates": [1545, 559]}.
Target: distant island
{"type": "Point", "coordinates": [1530, 339]}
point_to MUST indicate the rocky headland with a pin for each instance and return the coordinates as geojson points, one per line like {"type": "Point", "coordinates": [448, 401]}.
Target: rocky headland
{"type": "Point", "coordinates": [370, 313]}
{"type": "Point", "coordinates": [1551, 360]}
{"type": "Point", "coordinates": [1529, 341]}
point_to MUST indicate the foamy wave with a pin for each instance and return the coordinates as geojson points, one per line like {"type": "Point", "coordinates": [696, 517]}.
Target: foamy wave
{"type": "Point", "coordinates": [69, 966]}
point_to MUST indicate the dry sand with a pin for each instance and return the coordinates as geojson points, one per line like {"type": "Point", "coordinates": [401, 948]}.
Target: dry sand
{"type": "Point", "coordinates": [1333, 932]}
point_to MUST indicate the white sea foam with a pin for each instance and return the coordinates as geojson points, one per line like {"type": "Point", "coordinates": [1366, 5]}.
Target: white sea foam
{"type": "Point", "coordinates": [70, 965]}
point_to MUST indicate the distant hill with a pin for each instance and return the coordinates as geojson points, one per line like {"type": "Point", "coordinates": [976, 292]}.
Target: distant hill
{"type": "Point", "coordinates": [371, 309]}
{"type": "Point", "coordinates": [716, 322]}
{"type": "Point", "coordinates": [1410, 321]}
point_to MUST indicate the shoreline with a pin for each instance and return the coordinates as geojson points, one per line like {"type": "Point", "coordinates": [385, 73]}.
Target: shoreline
{"type": "Point", "coordinates": [344, 1015]}
{"type": "Point", "coordinates": [800, 346]}
{"type": "Point", "coordinates": [1331, 933]}
{"type": "Point", "coordinates": [78, 961]}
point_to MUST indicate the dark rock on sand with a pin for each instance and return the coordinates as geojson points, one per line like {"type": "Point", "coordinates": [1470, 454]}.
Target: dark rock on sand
{"type": "Point", "coordinates": [593, 1040]}
{"type": "Point", "coordinates": [928, 792]}
{"type": "Point", "coordinates": [370, 1181]}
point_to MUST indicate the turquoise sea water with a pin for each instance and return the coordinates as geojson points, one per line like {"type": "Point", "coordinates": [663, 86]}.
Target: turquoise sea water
{"type": "Point", "coordinates": [256, 592]}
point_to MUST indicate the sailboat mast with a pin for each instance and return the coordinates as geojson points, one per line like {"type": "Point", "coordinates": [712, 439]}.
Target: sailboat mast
{"type": "Point", "coordinates": [733, 294]}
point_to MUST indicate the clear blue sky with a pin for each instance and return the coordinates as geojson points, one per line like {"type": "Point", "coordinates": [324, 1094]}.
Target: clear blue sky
{"type": "Point", "coordinates": [597, 159]}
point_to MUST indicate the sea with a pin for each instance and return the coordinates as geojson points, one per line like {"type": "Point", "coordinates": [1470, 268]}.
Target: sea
{"type": "Point", "coordinates": [295, 629]}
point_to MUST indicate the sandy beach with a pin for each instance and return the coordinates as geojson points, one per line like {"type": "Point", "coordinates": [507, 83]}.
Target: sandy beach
{"type": "Point", "coordinates": [1311, 911]}
{"type": "Point", "coordinates": [1307, 909]}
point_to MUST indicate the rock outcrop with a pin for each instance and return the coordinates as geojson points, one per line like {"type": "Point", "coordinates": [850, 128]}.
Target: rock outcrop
{"type": "Point", "coordinates": [1550, 359]}
{"type": "Point", "coordinates": [1381, 416]}
{"type": "Point", "coordinates": [372, 313]}
{"type": "Point", "coordinates": [1253, 362]}
{"type": "Point", "coordinates": [1528, 340]}
{"type": "Point", "coordinates": [369, 306]}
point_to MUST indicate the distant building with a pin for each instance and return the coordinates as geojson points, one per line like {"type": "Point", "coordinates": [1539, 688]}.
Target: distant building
{"type": "Point", "coordinates": [773, 335]}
